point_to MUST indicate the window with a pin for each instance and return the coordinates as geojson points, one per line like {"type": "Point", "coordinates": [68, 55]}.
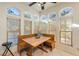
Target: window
{"type": "Point", "coordinates": [43, 27]}
{"type": "Point", "coordinates": [13, 30]}
{"type": "Point", "coordinates": [44, 17]}
{"type": "Point", "coordinates": [13, 11]}
{"type": "Point", "coordinates": [52, 27]}
{"type": "Point", "coordinates": [66, 30]}
{"type": "Point", "coordinates": [34, 17]}
{"type": "Point", "coordinates": [66, 11]}
{"type": "Point", "coordinates": [36, 26]}
{"type": "Point", "coordinates": [40, 26]}
{"type": "Point", "coordinates": [27, 15]}
{"type": "Point", "coordinates": [66, 37]}
{"type": "Point", "coordinates": [27, 27]}
{"type": "Point", "coordinates": [52, 16]}
{"type": "Point", "coordinates": [66, 26]}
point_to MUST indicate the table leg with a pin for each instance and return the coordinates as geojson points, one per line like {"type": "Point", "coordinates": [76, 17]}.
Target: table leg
{"type": "Point", "coordinates": [41, 47]}
{"type": "Point", "coordinates": [29, 53]}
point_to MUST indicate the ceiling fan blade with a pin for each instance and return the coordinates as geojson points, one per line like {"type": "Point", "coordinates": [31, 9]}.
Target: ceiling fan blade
{"type": "Point", "coordinates": [32, 3]}
{"type": "Point", "coordinates": [53, 2]}
{"type": "Point", "coordinates": [42, 7]}
{"type": "Point", "coordinates": [44, 2]}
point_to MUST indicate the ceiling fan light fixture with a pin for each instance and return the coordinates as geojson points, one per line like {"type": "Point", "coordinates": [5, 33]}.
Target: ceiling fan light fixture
{"type": "Point", "coordinates": [39, 4]}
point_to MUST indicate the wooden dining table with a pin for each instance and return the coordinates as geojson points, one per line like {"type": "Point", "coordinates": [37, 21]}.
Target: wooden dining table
{"type": "Point", "coordinates": [36, 42]}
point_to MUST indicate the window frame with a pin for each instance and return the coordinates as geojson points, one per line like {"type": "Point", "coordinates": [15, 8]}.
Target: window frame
{"type": "Point", "coordinates": [19, 31]}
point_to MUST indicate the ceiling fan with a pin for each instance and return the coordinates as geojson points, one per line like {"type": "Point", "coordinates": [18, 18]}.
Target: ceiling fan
{"type": "Point", "coordinates": [40, 3]}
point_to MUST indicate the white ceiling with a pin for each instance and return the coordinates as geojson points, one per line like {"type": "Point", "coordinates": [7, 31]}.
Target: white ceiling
{"type": "Point", "coordinates": [37, 7]}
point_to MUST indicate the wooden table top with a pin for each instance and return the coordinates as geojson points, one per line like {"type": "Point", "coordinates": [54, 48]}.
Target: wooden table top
{"type": "Point", "coordinates": [36, 41]}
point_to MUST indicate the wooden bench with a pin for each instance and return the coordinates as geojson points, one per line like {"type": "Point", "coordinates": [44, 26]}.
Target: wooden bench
{"type": "Point", "coordinates": [21, 44]}
{"type": "Point", "coordinates": [50, 43]}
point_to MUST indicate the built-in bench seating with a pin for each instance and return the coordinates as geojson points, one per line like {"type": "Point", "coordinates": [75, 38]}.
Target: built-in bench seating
{"type": "Point", "coordinates": [51, 42]}
{"type": "Point", "coordinates": [21, 44]}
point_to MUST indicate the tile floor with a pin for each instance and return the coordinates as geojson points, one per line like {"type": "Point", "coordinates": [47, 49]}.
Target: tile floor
{"type": "Point", "coordinates": [38, 52]}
